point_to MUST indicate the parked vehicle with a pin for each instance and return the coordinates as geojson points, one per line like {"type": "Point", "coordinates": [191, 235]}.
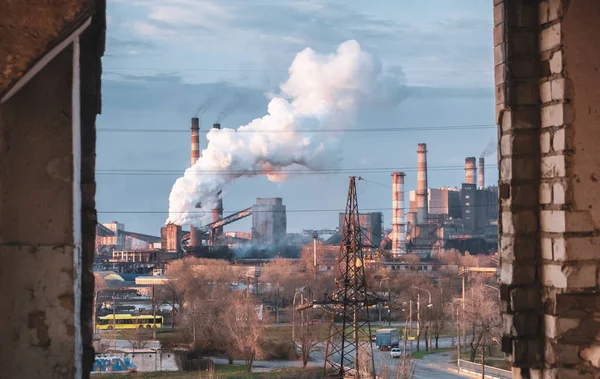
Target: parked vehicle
{"type": "Point", "coordinates": [386, 339]}
{"type": "Point", "coordinates": [395, 353]}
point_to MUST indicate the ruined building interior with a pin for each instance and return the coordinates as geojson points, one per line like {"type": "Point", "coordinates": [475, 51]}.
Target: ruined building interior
{"type": "Point", "coordinates": [547, 76]}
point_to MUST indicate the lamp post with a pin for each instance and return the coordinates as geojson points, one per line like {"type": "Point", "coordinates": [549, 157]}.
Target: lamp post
{"type": "Point", "coordinates": [298, 291]}
{"type": "Point", "coordinates": [429, 306]}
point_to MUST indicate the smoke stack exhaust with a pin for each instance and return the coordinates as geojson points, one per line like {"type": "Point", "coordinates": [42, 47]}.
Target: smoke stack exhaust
{"type": "Point", "coordinates": [470, 170]}
{"type": "Point", "coordinates": [481, 176]}
{"type": "Point", "coordinates": [217, 212]}
{"type": "Point", "coordinates": [398, 223]}
{"type": "Point", "coordinates": [422, 204]}
{"type": "Point", "coordinates": [195, 139]}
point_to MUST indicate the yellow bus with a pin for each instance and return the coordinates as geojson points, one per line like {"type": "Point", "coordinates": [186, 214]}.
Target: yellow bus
{"type": "Point", "coordinates": [127, 321]}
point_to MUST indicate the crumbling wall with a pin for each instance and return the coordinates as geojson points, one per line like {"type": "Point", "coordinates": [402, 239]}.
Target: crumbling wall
{"type": "Point", "coordinates": [548, 112]}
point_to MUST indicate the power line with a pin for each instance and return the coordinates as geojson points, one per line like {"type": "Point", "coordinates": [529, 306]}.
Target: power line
{"type": "Point", "coordinates": [327, 130]}
{"type": "Point", "coordinates": [156, 172]}
{"type": "Point", "coordinates": [112, 70]}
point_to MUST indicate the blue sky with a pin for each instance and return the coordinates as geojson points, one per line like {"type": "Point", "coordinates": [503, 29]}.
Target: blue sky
{"type": "Point", "coordinates": [166, 57]}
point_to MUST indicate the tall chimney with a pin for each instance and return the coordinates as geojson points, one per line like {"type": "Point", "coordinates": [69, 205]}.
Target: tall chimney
{"type": "Point", "coordinates": [422, 205]}
{"type": "Point", "coordinates": [481, 173]}
{"type": "Point", "coordinates": [398, 223]}
{"type": "Point", "coordinates": [195, 155]}
{"type": "Point", "coordinates": [470, 170]}
{"type": "Point", "coordinates": [217, 212]}
{"type": "Point", "coordinates": [195, 139]}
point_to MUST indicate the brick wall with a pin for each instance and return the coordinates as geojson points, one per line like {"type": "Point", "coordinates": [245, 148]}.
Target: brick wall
{"type": "Point", "coordinates": [548, 112]}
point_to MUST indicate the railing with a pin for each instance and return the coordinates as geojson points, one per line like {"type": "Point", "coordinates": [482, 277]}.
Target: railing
{"type": "Point", "coordinates": [490, 372]}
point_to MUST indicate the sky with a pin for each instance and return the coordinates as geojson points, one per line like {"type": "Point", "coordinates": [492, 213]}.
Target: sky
{"type": "Point", "coordinates": [165, 58]}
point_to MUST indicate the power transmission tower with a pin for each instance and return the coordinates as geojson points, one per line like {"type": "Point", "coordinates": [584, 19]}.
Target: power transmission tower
{"type": "Point", "coordinates": [349, 349]}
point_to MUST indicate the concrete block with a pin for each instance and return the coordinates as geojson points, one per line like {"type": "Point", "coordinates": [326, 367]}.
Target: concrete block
{"type": "Point", "coordinates": [506, 273]}
{"type": "Point", "coordinates": [553, 166]}
{"type": "Point", "coordinates": [498, 13]}
{"type": "Point", "coordinates": [546, 91]}
{"type": "Point", "coordinates": [498, 34]}
{"type": "Point", "coordinates": [506, 121]}
{"type": "Point", "coordinates": [524, 195]}
{"type": "Point", "coordinates": [579, 221]}
{"type": "Point", "coordinates": [527, 93]}
{"type": "Point", "coordinates": [550, 38]}
{"type": "Point", "coordinates": [546, 248]}
{"type": "Point", "coordinates": [558, 194]}
{"type": "Point", "coordinates": [545, 193]}
{"type": "Point", "coordinates": [582, 275]}
{"type": "Point", "coordinates": [526, 118]}
{"type": "Point", "coordinates": [500, 94]}
{"type": "Point", "coordinates": [499, 73]}
{"type": "Point", "coordinates": [507, 223]}
{"type": "Point", "coordinates": [561, 89]}
{"type": "Point", "coordinates": [556, 64]}
{"type": "Point", "coordinates": [558, 140]}
{"type": "Point", "coordinates": [555, 326]}
{"type": "Point", "coordinates": [553, 221]}
{"type": "Point", "coordinates": [499, 55]}
{"type": "Point", "coordinates": [507, 253]}
{"type": "Point", "coordinates": [525, 168]}
{"type": "Point", "coordinates": [545, 142]}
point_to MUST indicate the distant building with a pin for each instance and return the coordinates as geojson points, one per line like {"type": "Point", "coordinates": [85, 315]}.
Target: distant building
{"type": "Point", "coordinates": [372, 225]}
{"type": "Point", "coordinates": [269, 221]}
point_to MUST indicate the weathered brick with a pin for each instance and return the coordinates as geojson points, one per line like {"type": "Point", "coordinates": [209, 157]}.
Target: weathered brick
{"type": "Point", "coordinates": [553, 166]}
{"type": "Point", "coordinates": [558, 249]}
{"type": "Point", "coordinates": [505, 169]}
{"type": "Point", "coordinates": [526, 324]}
{"type": "Point", "coordinates": [558, 140]}
{"type": "Point", "coordinates": [557, 326]}
{"type": "Point", "coordinates": [524, 221]}
{"type": "Point", "coordinates": [525, 247]}
{"type": "Point", "coordinates": [546, 248]}
{"type": "Point", "coordinates": [525, 299]}
{"type": "Point", "coordinates": [581, 275]}
{"type": "Point", "coordinates": [561, 89]}
{"type": "Point", "coordinates": [525, 168]}
{"type": "Point", "coordinates": [498, 13]}
{"type": "Point", "coordinates": [524, 195]}
{"type": "Point", "coordinates": [550, 37]}
{"type": "Point", "coordinates": [499, 55]}
{"type": "Point", "coordinates": [552, 221]}
{"type": "Point", "coordinates": [553, 276]}
{"type": "Point", "coordinates": [579, 221]}
{"type": "Point", "coordinates": [526, 118]}
{"type": "Point", "coordinates": [500, 93]}
{"type": "Point", "coordinates": [507, 249]}
{"type": "Point", "coordinates": [506, 273]}
{"type": "Point", "coordinates": [507, 223]}
{"type": "Point", "coordinates": [592, 354]}
{"type": "Point", "coordinates": [555, 9]}
{"type": "Point", "coordinates": [553, 115]}
{"type": "Point", "coordinates": [558, 193]}
{"type": "Point", "coordinates": [506, 121]}
{"type": "Point", "coordinates": [581, 248]}
{"type": "Point", "coordinates": [576, 305]}
{"type": "Point", "coordinates": [546, 91]}
{"type": "Point", "coordinates": [545, 142]}
{"type": "Point", "coordinates": [506, 145]}
{"type": "Point", "coordinates": [583, 334]}
{"type": "Point", "coordinates": [556, 64]}
{"type": "Point", "coordinates": [499, 73]}
{"type": "Point", "coordinates": [498, 34]}
{"type": "Point", "coordinates": [543, 12]}
{"type": "Point", "coordinates": [545, 193]}
{"type": "Point", "coordinates": [526, 93]}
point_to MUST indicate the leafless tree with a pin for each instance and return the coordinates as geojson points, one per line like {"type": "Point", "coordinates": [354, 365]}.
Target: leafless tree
{"type": "Point", "coordinates": [481, 313]}
{"type": "Point", "coordinates": [138, 338]}
{"type": "Point", "coordinates": [244, 327]}
{"type": "Point", "coordinates": [308, 342]}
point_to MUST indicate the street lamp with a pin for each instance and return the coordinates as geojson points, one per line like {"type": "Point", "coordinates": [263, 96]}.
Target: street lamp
{"type": "Point", "coordinates": [298, 291]}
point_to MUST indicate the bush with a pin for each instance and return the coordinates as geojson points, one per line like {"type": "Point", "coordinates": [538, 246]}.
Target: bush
{"type": "Point", "coordinates": [279, 350]}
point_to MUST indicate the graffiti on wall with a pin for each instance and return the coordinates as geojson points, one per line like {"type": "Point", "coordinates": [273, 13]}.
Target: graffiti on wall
{"type": "Point", "coordinates": [111, 364]}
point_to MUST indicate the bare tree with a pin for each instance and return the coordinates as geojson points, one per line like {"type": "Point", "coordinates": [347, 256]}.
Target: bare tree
{"type": "Point", "coordinates": [245, 329]}
{"type": "Point", "coordinates": [138, 338]}
{"type": "Point", "coordinates": [481, 312]}
{"type": "Point", "coordinates": [308, 343]}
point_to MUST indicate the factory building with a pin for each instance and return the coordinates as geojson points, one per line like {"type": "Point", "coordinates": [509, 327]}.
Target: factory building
{"type": "Point", "coordinates": [372, 227]}
{"type": "Point", "coordinates": [441, 201]}
{"type": "Point", "coordinates": [269, 221]}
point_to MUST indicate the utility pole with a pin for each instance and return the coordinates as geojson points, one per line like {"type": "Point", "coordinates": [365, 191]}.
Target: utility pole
{"type": "Point", "coordinates": [458, 336]}
{"type": "Point", "coordinates": [410, 317]}
{"type": "Point", "coordinates": [153, 315]}
{"type": "Point", "coordinates": [114, 321]}
{"type": "Point", "coordinates": [418, 321]}
{"type": "Point", "coordinates": [483, 356]}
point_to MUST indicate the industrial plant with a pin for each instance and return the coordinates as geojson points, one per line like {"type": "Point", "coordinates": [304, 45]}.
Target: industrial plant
{"type": "Point", "coordinates": [436, 220]}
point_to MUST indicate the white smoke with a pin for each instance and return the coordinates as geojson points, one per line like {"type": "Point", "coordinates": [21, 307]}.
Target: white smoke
{"type": "Point", "coordinates": [322, 91]}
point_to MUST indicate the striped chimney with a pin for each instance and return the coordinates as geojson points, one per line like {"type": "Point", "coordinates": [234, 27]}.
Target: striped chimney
{"type": "Point", "coordinates": [481, 176]}
{"type": "Point", "coordinates": [470, 170]}
{"type": "Point", "coordinates": [217, 212]}
{"type": "Point", "coordinates": [422, 204]}
{"type": "Point", "coordinates": [195, 139]}
{"type": "Point", "coordinates": [398, 223]}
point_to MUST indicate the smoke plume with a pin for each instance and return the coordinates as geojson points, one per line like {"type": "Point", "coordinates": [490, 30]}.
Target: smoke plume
{"type": "Point", "coordinates": [489, 149]}
{"type": "Point", "coordinates": [322, 91]}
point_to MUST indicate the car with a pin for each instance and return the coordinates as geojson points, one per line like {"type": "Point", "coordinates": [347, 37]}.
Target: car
{"type": "Point", "coordinates": [395, 353]}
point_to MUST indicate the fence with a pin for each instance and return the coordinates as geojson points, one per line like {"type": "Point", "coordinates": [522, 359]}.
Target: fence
{"type": "Point", "coordinates": [490, 372]}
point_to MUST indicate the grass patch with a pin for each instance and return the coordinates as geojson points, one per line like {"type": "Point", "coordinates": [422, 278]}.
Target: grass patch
{"type": "Point", "coordinates": [223, 371]}
{"type": "Point", "coordinates": [422, 353]}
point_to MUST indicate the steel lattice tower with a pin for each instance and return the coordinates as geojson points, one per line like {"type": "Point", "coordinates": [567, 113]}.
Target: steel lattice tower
{"type": "Point", "coordinates": [349, 349]}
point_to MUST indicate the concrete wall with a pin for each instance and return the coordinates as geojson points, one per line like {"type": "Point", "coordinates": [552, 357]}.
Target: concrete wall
{"type": "Point", "coordinates": [163, 360]}
{"type": "Point", "coordinates": [36, 227]}
{"type": "Point", "coordinates": [548, 112]}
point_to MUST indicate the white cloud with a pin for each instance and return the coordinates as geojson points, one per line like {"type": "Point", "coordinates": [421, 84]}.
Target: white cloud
{"type": "Point", "coordinates": [197, 12]}
{"type": "Point", "coordinates": [149, 30]}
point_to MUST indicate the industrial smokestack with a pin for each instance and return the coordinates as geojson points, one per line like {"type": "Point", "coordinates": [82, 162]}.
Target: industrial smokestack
{"type": "Point", "coordinates": [195, 139]}
{"type": "Point", "coordinates": [422, 204]}
{"type": "Point", "coordinates": [398, 223]}
{"type": "Point", "coordinates": [217, 212]}
{"type": "Point", "coordinates": [470, 170]}
{"type": "Point", "coordinates": [195, 155]}
{"type": "Point", "coordinates": [481, 176]}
